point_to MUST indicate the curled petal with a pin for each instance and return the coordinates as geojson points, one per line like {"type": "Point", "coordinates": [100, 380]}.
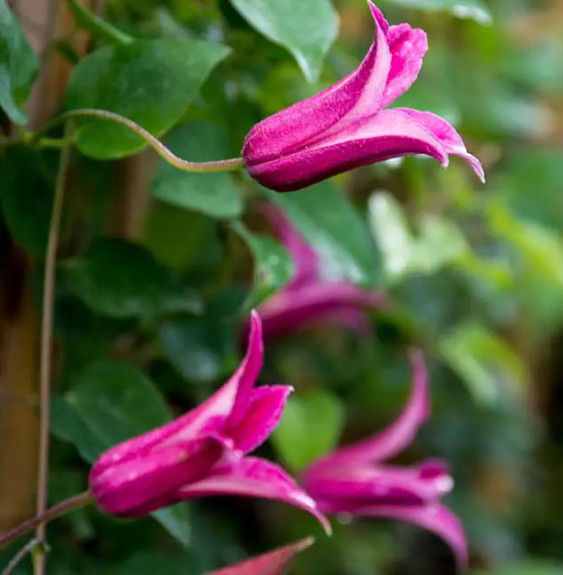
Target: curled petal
{"type": "Point", "coordinates": [381, 484]}
{"type": "Point", "coordinates": [295, 127]}
{"type": "Point", "coordinates": [381, 136]}
{"type": "Point", "coordinates": [407, 46]}
{"type": "Point", "coordinates": [400, 433]}
{"type": "Point", "coordinates": [287, 312]}
{"type": "Point", "coordinates": [254, 477]}
{"type": "Point", "coordinates": [134, 484]}
{"type": "Point", "coordinates": [436, 518]}
{"type": "Point", "coordinates": [272, 563]}
{"type": "Point", "coordinates": [262, 416]}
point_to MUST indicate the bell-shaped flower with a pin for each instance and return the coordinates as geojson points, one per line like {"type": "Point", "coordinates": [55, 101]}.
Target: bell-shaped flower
{"type": "Point", "coordinates": [348, 125]}
{"type": "Point", "coordinates": [273, 563]}
{"type": "Point", "coordinates": [203, 453]}
{"type": "Point", "coordinates": [357, 481]}
{"type": "Point", "coordinates": [309, 298]}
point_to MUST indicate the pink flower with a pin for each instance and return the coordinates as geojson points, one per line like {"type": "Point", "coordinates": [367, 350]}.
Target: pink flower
{"type": "Point", "coordinates": [308, 298]}
{"type": "Point", "coordinates": [203, 453]}
{"type": "Point", "coordinates": [273, 563]}
{"type": "Point", "coordinates": [355, 480]}
{"type": "Point", "coordinates": [346, 125]}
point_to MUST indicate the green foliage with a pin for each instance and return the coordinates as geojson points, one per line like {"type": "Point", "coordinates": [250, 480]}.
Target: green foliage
{"type": "Point", "coordinates": [151, 82]}
{"type": "Point", "coordinates": [18, 66]}
{"type": "Point", "coordinates": [475, 9]}
{"type": "Point", "coordinates": [306, 29]}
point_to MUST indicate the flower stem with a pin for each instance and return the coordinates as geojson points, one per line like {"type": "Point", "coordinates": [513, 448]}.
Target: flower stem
{"type": "Point", "coordinates": [20, 555]}
{"type": "Point", "coordinates": [45, 352]}
{"type": "Point", "coordinates": [157, 145]}
{"type": "Point", "coordinates": [62, 508]}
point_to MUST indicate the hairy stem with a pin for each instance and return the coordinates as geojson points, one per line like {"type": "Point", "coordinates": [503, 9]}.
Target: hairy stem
{"type": "Point", "coordinates": [62, 508]}
{"type": "Point", "coordinates": [157, 145]}
{"type": "Point", "coordinates": [45, 354]}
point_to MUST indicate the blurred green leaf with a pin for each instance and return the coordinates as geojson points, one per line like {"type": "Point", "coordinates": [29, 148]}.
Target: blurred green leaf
{"type": "Point", "coordinates": [110, 403]}
{"type": "Point", "coordinates": [26, 197]}
{"type": "Point", "coordinates": [329, 222]}
{"type": "Point", "coordinates": [474, 9]}
{"type": "Point", "coordinates": [273, 266]}
{"type": "Point", "coordinates": [310, 427]}
{"type": "Point", "coordinates": [197, 349]}
{"type": "Point", "coordinates": [306, 29]}
{"type": "Point", "coordinates": [121, 279]}
{"type": "Point", "coordinates": [150, 563]}
{"type": "Point", "coordinates": [213, 194]}
{"type": "Point", "coordinates": [438, 243]}
{"type": "Point", "coordinates": [148, 81]}
{"type": "Point", "coordinates": [18, 66]}
{"type": "Point", "coordinates": [484, 362]}
{"type": "Point", "coordinates": [528, 567]}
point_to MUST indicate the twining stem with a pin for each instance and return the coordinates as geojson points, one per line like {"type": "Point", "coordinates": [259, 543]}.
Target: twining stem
{"type": "Point", "coordinates": [20, 556]}
{"type": "Point", "coordinates": [61, 508]}
{"type": "Point", "coordinates": [45, 350]}
{"type": "Point", "coordinates": [157, 145]}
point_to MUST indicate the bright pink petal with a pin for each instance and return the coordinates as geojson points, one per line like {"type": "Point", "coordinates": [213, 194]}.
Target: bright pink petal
{"type": "Point", "coordinates": [407, 46]}
{"type": "Point", "coordinates": [254, 477]}
{"type": "Point", "coordinates": [262, 416]}
{"type": "Point", "coordinates": [381, 484]}
{"type": "Point", "coordinates": [356, 95]}
{"type": "Point", "coordinates": [436, 518]}
{"type": "Point", "coordinates": [399, 434]}
{"type": "Point", "coordinates": [304, 256]}
{"type": "Point", "coordinates": [123, 488]}
{"type": "Point", "coordinates": [387, 134]}
{"type": "Point", "coordinates": [288, 312]}
{"type": "Point", "coordinates": [273, 563]}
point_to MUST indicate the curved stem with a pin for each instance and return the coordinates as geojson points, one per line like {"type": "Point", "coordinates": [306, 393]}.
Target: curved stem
{"type": "Point", "coordinates": [45, 354]}
{"type": "Point", "coordinates": [61, 508]}
{"type": "Point", "coordinates": [20, 556]}
{"type": "Point", "coordinates": [156, 144]}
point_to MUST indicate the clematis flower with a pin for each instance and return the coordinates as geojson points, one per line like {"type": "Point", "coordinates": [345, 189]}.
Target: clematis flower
{"type": "Point", "coordinates": [347, 125]}
{"type": "Point", "coordinates": [272, 563]}
{"type": "Point", "coordinates": [203, 453]}
{"type": "Point", "coordinates": [357, 481]}
{"type": "Point", "coordinates": [308, 298]}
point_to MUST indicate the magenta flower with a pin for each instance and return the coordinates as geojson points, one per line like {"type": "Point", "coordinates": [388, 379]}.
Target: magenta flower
{"type": "Point", "coordinates": [355, 480]}
{"type": "Point", "coordinates": [203, 453]}
{"type": "Point", "coordinates": [346, 125]}
{"type": "Point", "coordinates": [272, 563]}
{"type": "Point", "coordinates": [308, 298]}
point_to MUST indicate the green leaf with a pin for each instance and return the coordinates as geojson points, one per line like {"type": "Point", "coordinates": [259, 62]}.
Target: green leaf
{"type": "Point", "coordinates": [110, 403]}
{"type": "Point", "coordinates": [484, 362]}
{"type": "Point", "coordinates": [475, 9]}
{"type": "Point", "coordinates": [198, 349]}
{"type": "Point", "coordinates": [26, 197]}
{"type": "Point", "coordinates": [306, 29]}
{"type": "Point", "coordinates": [18, 66]}
{"type": "Point", "coordinates": [327, 220]}
{"type": "Point", "coordinates": [213, 194]}
{"type": "Point", "coordinates": [150, 82]}
{"type": "Point", "coordinates": [273, 266]}
{"type": "Point", "coordinates": [309, 428]}
{"type": "Point", "coordinates": [121, 279]}
{"type": "Point", "coordinates": [528, 567]}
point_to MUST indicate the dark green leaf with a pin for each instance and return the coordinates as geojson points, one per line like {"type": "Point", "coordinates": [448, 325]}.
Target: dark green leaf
{"type": "Point", "coordinates": [306, 29]}
{"type": "Point", "coordinates": [26, 197]}
{"type": "Point", "coordinates": [197, 349]}
{"type": "Point", "coordinates": [110, 403]}
{"type": "Point", "coordinates": [120, 279]}
{"type": "Point", "coordinates": [328, 221]}
{"type": "Point", "coordinates": [18, 66]}
{"type": "Point", "coordinates": [213, 194]}
{"type": "Point", "coordinates": [148, 81]}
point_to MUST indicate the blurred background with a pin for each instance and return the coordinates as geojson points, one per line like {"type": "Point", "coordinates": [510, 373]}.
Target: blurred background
{"type": "Point", "coordinates": [475, 273]}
